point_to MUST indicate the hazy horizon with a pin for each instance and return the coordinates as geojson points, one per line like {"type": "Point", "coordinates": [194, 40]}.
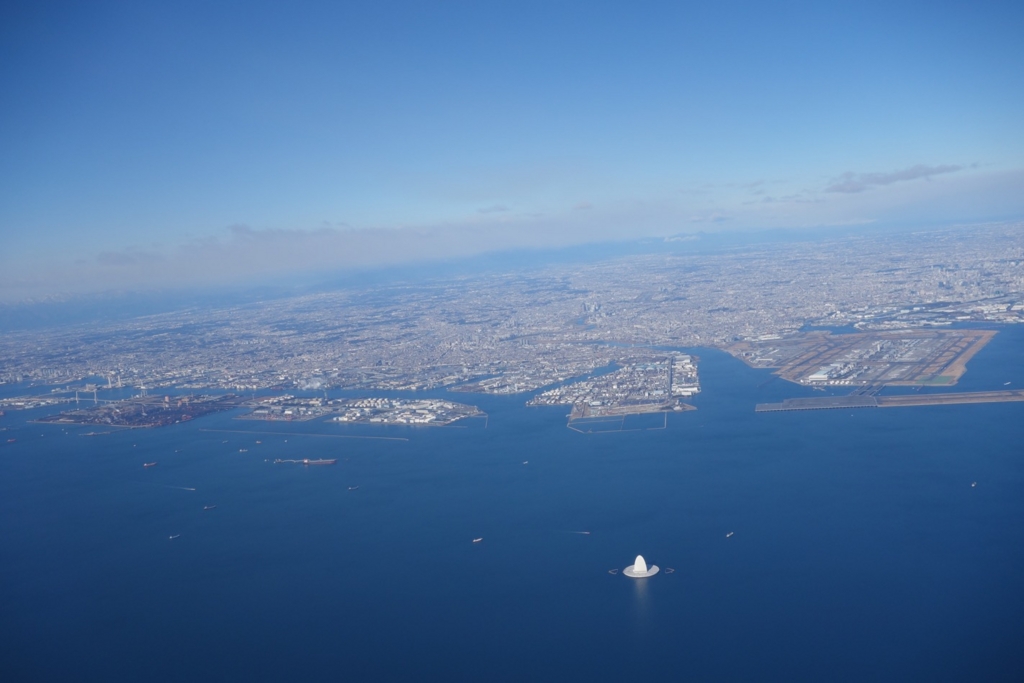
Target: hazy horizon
{"type": "Point", "coordinates": [149, 147]}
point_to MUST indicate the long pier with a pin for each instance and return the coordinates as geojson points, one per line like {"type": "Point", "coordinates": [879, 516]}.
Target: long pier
{"type": "Point", "coordinates": [816, 403]}
{"type": "Point", "coordinates": [904, 400]}
{"type": "Point", "coordinates": [949, 399]}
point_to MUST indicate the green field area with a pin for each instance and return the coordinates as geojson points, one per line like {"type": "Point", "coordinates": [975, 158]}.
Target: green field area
{"type": "Point", "coordinates": [938, 381]}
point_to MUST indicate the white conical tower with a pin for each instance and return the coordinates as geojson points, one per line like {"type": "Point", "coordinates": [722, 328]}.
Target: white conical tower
{"type": "Point", "coordinates": [639, 569]}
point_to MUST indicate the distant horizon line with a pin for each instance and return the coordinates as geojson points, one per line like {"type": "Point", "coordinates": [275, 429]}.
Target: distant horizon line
{"type": "Point", "coordinates": [33, 312]}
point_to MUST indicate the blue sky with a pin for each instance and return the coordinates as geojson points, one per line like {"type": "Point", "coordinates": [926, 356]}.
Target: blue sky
{"type": "Point", "coordinates": [146, 144]}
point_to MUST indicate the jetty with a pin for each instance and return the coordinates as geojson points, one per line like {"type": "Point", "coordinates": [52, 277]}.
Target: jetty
{"type": "Point", "coordinates": [899, 401]}
{"type": "Point", "coordinates": [307, 461]}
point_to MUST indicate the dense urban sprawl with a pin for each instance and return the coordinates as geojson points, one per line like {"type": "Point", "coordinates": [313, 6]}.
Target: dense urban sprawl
{"type": "Point", "coordinates": [520, 331]}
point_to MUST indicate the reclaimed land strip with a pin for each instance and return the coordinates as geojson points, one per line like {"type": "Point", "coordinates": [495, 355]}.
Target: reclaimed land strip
{"type": "Point", "coordinates": [948, 399]}
{"type": "Point", "coordinates": [585, 411]}
{"type": "Point", "coordinates": [839, 402]}
{"type": "Point", "coordinates": [823, 403]}
{"type": "Point", "coordinates": [621, 421]}
{"type": "Point", "coordinates": [327, 436]}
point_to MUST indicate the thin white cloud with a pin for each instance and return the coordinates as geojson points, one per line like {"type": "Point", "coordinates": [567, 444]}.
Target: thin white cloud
{"type": "Point", "coordinates": [858, 182]}
{"type": "Point", "coordinates": [128, 258]}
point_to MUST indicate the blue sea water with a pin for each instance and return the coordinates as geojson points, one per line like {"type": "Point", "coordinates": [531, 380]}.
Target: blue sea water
{"type": "Point", "coordinates": [860, 549]}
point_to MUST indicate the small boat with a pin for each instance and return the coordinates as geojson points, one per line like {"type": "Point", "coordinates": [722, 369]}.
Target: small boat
{"type": "Point", "coordinates": [175, 536]}
{"type": "Point", "coordinates": [526, 462]}
{"type": "Point", "coordinates": [973, 484]}
{"type": "Point", "coordinates": [352, 488]}
{"type": "Point", "coordinates": [149, 464]}
{"type": "Point", "coordinates": [259, 442]}
{"type": "Point", "coordinates": [729, 534]}
{"type": "Point", "coordinates": [209, 507]}
{"type": "Point", "coordinates": [1005, 384]}
{"type": "Point", "coordinates": [11, 440]}
{"type": "Point", "coordinates": [243, 450]}
{"type": "Point", "coordinates": [477, 540]}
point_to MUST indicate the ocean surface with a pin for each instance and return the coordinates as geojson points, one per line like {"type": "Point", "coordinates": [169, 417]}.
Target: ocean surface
{"type": "Point", "coordinates": [859, 551]}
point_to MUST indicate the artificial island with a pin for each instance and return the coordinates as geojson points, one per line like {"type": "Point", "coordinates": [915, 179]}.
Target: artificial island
{"type": "Point", "coordinates": [152, 411]}
{"type": "Point", "coordinates": [870, 361]}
